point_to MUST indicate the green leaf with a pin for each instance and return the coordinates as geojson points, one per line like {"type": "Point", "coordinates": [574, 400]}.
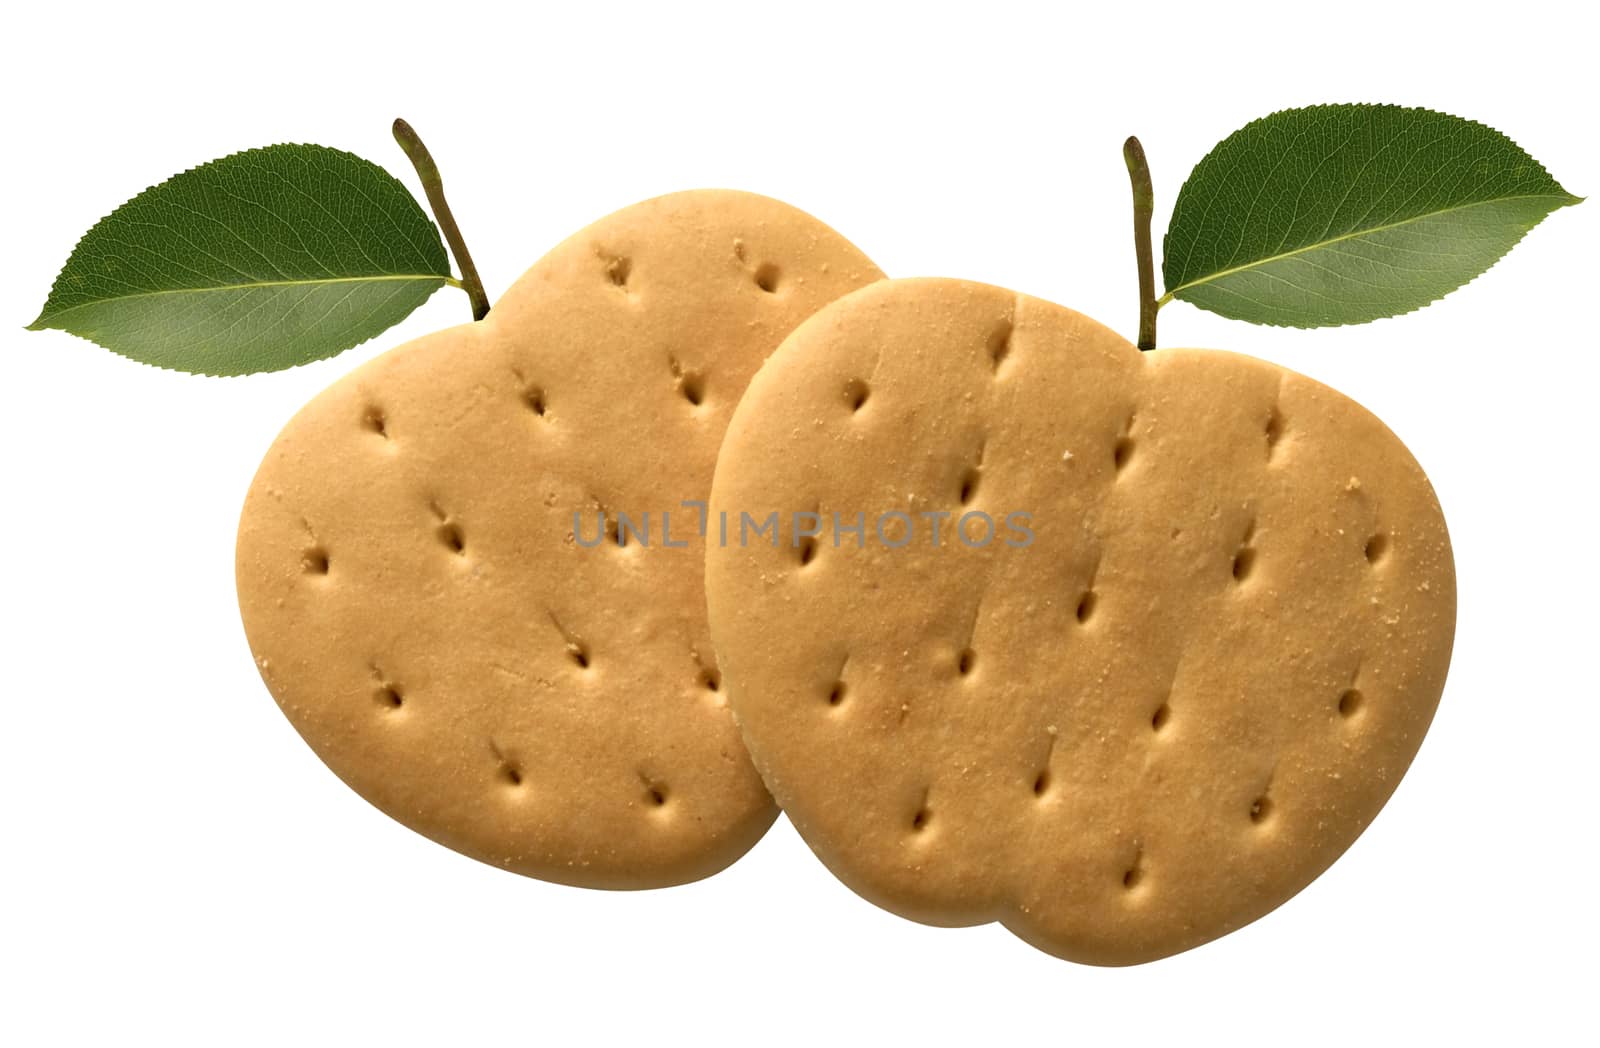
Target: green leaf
{"type": "Point", "coordinates": [259, 261]}
{"type": "Point", "coordinates": [1340, 214]}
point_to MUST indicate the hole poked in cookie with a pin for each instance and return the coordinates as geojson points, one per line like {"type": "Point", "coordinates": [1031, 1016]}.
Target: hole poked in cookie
{"type": "Point", "coordinates": [708, 676]}
{"type": "Point", "coordinates": [450, 537]}
{"type": "Point", "coordinates": [1350, 703]}
{"type": "Point", "coordinates": [693, 388]}
{"type": "Point", "coordinates": [1377, 548]}
{"type": "Point", "coordinates": [1087, 601]}
{"type": "Point", "coordinates": [766, 276]}
{"type": "Point", "coordinates": [618, 269]}
{"type": "Point", "coordinates": [655, 792]}
{"type": "Point", "coordinates": [922, 816]}
{"type": "Point", "coordinates": [531, 393]}
{"type": "Point", "coordinates": [1261, 809]}
{"type": "Point", "coordinates": [805, 541]}
{"type": "Point", "coordinates": [1123, 447]}
{"type": "Point", "coordinates": [1244, 562]}
{"type": "Point", "coordinates": [506, 769]}
{"type": "Point", "coordinates": [1122, 453]}
{"type": "Point", "coordinates": [1161, 717]}
{"type": "Point", "coordinates": [1134, 875]}
{"type": "Point", "coordinates": [1244, 558]}
{"type": "Point", "coordinates": [389, 697]}
{"type": "Point", "coordinates": [999, 345]}
{"type": "Point", "coordinates": [533, 396]}
{"type": "Point", "coordinates": [314, 561]}
{"type": "Point", "coordinates": [968, 488]}
{"type": "Point", "coordinates": [1042, 778]}
{"type": "Point", "coordinates": [836, 693]}
{"type": "Point", "coordinates": [374, 421]}
{"type": "Point", "coordinates": [1274, 431]}
{"type": "Point", "coordinates": [966, 661]}
{"type": "Point", "coordinates": [691, 384]}
{"type": "Point", "coordinates": [855, 394]}
{"type": "Point", "coordinates": [576, 650]}
{"type": "Point", "coordinates": [610, 526]}
{"type": "Point", "coordinates": [447, 531]}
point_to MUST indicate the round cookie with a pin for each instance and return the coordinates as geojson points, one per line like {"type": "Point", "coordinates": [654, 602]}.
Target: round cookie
{"type": "Point", "coordinates": [417, 564]}
{"type": "Point", "coordinates": [1141, 715]}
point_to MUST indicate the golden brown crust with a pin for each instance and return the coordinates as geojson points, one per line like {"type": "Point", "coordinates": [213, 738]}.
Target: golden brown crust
{"type": "Point", "coordinates": [1154, 723]}
{"type": "Point", "coordinates": [413, 591]}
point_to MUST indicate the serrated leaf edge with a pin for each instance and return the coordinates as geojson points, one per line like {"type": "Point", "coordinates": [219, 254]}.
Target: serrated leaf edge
{"type": "Point", "coordinates": [1171, 295]}
{"type": "Point", "coordinates": [1388, 316]}
{"type": "Point", "coordinates": [39, 324]}
{"type": "Point", "coordinates": [1212, 152]}
{"type": "Point", "coordinates": [1565, 200]}
{"type": "Point", "coordinates": [234, 374]}
{"type": "Point", "coordinates": [211, 163]}
{"type": "Point", "coordinates": [45, 319]}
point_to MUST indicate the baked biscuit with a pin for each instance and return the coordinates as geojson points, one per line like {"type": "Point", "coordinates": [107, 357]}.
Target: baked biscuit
{"type": "Point", "coordinates": [1200, 646]}
{"type": "Point", "coordinates": [417, 570]}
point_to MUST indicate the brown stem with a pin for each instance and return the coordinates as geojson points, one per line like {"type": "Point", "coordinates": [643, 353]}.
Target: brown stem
{"type": "Point", "coordinates": [1144, 204]}
{"type": "Point", "coordinates": [428, 172]}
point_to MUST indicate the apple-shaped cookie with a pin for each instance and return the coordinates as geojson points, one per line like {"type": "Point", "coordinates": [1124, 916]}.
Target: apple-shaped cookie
{"type": "Point", "coordinates": [1121, 649]}
{"type": "Point", "coordinates": [418, 600]}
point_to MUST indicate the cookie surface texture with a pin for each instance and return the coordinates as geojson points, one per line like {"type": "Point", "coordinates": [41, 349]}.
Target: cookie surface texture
{"type": "Point", "coordinates": [1138, 718]}
{"type": "Point", "coordinates": [423, 608]}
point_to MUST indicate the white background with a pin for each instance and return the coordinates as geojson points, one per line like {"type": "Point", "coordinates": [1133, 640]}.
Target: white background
{"type": "Point", "coordinates": [178, 866]}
